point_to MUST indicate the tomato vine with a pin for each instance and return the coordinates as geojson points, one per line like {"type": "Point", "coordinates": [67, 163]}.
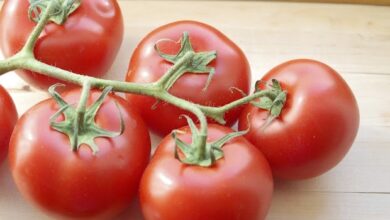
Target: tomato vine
{"type": "Point", "coordinates": [187, 60]}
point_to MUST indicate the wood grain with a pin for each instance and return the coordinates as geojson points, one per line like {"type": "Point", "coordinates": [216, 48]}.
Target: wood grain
{"type": "Point", "coordinates": [353, 39]}
{"type": "Point", "coordinates": [372, 2]}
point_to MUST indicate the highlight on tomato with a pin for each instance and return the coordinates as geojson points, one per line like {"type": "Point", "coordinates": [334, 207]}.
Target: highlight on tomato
{"type": "Point", "coordinates": [99, 178]}
{"type": "Point", "coordinates": [230, 77]}
{"type": "Point", "coordinates": [237, 186]}
{"type": "Point", "coordinates": [8, 118]}
{"type": "Point", "coordinates": [87, 43]}
{"type": "Point", "coordinates": [316, 127]}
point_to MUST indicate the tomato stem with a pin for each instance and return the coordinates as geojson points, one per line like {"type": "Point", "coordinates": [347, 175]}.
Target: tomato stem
{"type": "Point", "coordinates": [186, 60]}
{"type": "Point", "coordinates": [84, 97]}
{"type": "Point", "coordinates": [217, 113]}
{"type": "Point", "coordinates": [79, 122]}
{"type": "Point", "coordinates": [200, 142]}
{"type": "Point", "coordinates": [61, 12]}
{"type": "Point", "coordinates": [28, 48]}
{"type": "Point", "coordinates": [167, 80]}
{"type": "Point", "coordinates": [27, 52]}
{"type": "Point", "coordinates": [206, 156]}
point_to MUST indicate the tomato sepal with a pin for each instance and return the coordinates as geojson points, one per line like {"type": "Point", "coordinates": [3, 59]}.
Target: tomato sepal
{"type": "Point", "coordinates": [79, 123]}
{"type": "Point", "coordinates": [273, 102]}
{"type": "Point", "coordinates": [192, 62]}
{"type": "Point", "coordinates": [206, 156]}
{"type": "Point", "coordinates": [61, 12]}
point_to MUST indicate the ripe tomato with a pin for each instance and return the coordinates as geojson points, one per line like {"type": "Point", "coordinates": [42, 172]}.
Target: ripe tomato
{"type": "Point", "coordinates": [231, 71]}
{"type": "Point", "coordinates": [316, 127]}
{"type": "Point", "coordinates": [79, 184]}
{"type": "Point", "coordinates": [86, 44]}
{"type": "Point", "coordinates": [238, 186]}
{"type": "Point", "coordinates": [8, 117]}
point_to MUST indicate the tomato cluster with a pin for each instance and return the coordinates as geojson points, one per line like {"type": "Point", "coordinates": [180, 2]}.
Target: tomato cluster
{"type": "Point", "coordinates": [313, 132]}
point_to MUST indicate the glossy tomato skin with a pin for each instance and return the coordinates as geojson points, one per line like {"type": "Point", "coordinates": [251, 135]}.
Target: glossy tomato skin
{"type": "Point", "coordinates": [86, 44]}
{"type": "Point", "coordinates": [8, 118]}
{"type": "Point", "coordinates": [79, 184]}
{"type": "Point", "coordinates": [231, 71]}
{"type": "Point", "coordinates": [315, 129]}
{"type": "Point", "coordinates": [237, 187]}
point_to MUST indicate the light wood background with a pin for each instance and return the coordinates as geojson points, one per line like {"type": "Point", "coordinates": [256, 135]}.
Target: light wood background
{"type": "Point", "coordinates": [353, 39]}
{"type": "Point", "coordinates": [372, 2]}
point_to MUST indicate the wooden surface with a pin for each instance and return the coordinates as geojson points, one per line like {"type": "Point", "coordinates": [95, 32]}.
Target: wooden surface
{"type": "Point", "coordinates": [353, 39]}
{"type": "Point", "coordinates": [372, 2]}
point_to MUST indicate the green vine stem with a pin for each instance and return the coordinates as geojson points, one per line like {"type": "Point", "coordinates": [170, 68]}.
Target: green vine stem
{"type": "Point", "coordinates": [78, 123]}
{"type": "Point", "coordinates": [187, 60]}
{"type": "Point", "coordinates": [43, 20]}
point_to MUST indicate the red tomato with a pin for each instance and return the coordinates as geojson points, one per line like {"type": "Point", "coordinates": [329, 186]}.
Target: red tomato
{"type": "Point", "coordinates": [86, 44]}
{"type": "Point", "coordinates": [8, 117]}
{"type": "Point", "coordinates": [238, 186]}
{"type": "Point", "coordinates": [79, 184]}
{"type": "Point", "coordinates": [316, 127]}
{"type": "Point", "coordinates": [231, 71]}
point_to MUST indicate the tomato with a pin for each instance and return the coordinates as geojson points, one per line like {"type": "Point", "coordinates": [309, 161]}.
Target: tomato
{"type": "Point", "coordinates": [238, 186]}
{"type": "Point", "coordinates": [231, 71]}
{"type": "Point", "coordinates": [79, 184]}
{"type": "Point", "coordinates": [8, 117]}
{"type": "Point", "coordinates": [86, 44]}
{"type": "Point", "coordinates": [317, 126]}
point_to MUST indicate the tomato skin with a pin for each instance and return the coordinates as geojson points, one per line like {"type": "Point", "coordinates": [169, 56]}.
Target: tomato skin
{"type": "Point", "coordinates": [8, 118]}
{"type": "Point", "coordinates": [316, 127]}
{"type": "Point", "coordinates": [86, 44]}
{"type": "Point", "coordinates": [79, 184]}
{"type": "Point", "coordinates": [231, 70]}
{"type": "Point", "coordinates": [239, 186]}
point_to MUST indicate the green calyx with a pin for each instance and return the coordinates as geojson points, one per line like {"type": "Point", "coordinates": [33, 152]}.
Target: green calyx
{"type": "Point", "coordinates": [206, 156]}
{"type": "Point", "coordinates": [79, 123]}
{"type": "Point", "coordinates": [61, 11]}
{"type": "Point", "coordinates": [190, 61]}
{"type": "Point", "coordinates": [274, 101]}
